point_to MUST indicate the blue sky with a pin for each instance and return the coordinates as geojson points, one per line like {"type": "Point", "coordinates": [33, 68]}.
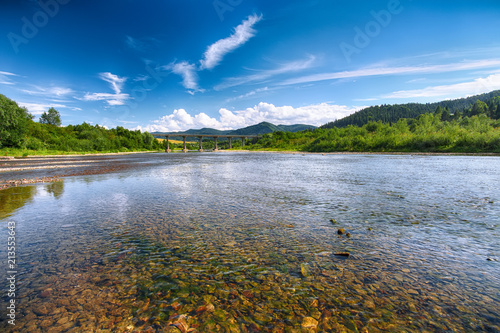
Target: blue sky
{"type": "Point", "coordinates": [164, 65]}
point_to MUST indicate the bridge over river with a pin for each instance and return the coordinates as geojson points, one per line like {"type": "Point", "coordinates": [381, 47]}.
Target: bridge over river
{"type": "Point", "coordinates": [202, 136]}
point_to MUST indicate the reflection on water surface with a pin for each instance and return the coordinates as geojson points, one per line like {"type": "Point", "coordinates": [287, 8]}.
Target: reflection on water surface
{"type": "Point", "coordinates": [244, 243]}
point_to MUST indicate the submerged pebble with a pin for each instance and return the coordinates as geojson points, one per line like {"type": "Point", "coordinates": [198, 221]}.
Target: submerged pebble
{"type": "Point", "coordinates": [188, 262]}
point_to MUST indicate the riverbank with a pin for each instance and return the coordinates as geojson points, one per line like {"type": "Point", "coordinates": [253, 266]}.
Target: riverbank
{"type": "Point", "coordinates": [34, 154]}
{"type": "Point", "coordinates": [19, 171]}
{"type": "Point", "coordinates": [363, 153]}
{"type": "Point", "coordinates": [18, 153]}
{"type": "Point", "coordinates": [51, 168]}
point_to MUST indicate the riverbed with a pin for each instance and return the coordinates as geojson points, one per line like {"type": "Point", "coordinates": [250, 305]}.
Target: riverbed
{"type": "Point", "coordinates": [250, 242]}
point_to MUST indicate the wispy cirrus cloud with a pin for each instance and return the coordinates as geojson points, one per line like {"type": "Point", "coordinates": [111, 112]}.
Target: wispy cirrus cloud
{"type": "Point", "coordinates": [116, 83]}
{"type": "Point", "coordinates": [214, 54]}
{"type": "Point", "coordinates": [5, 78]}
{"type": "Point", "coordinates": [248, 94]}
{"type": "Point", "coordinates": [384, 71]}
{"type": "Point", "coordinates": [242, 33]}
{"type": "Point", "coordinates": [470, 88]}
{"type": "Point", "coordinates": [135, 44]}
{"type": "Point", "coordinates": [261, 75]}
{"type": "Point", "coordinates": [141, 44]}
{"type": "Point", "coordinates": [111, 99]}
{"type": "Point", "coordinates": [49, 92]}
{"type": "Point", "coordinates": [189, 75]}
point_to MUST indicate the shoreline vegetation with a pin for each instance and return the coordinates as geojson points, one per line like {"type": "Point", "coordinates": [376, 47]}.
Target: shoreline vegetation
{"type": "Point", "coordinates": [473, 129]}
{"type": "Point", "coordinates": [428, 133]}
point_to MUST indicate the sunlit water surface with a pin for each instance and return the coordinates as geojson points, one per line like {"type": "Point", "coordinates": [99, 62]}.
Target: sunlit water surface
{"type": "Point", "coordinates": [243, 242]}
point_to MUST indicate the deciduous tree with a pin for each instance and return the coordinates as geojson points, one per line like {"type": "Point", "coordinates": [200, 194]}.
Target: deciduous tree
{"type": "Point", "coordinates": [14, 122]}
{"type": "Point", "coordinates": [53, 117]}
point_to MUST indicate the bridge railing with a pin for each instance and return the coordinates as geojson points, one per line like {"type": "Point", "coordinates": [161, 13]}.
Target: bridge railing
{"type": "Point", "coordinates": [201, 136]}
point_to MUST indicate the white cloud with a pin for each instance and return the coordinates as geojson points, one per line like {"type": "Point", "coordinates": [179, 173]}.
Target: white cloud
{"type": "Point", "coordinates": [111, 99]}
{"type": "Point", "coordinates": [478, 86]}
{"type": "Point", "coordinates": [188, 73]}
{"type": "Point", "coordinates": [212, 56]}
{"type": "Point", "coordinates": [134, 43]}
{"type": "Point", "coordinates": [317, 114]}
{"type": "Point", "coordinates": [248, 94]}
{"type": "Point", "coordinates": [242, 33]}
{"type": "Point", "coordinates": [4, 78]}
{"type": "Point", "coordinates": [260, 75]}
{"type": "Point", "coordinates": [116, 82]}
{"type": "Point", "coordinates": [180, 120]}
{"type": "Point", "coordinates": [141, 78]}
{"type": "Point", "coordinates": [381, 71]}
{"type": "Point", "coordinates": [38, 108]}
{"type": "Point", "coordinates": [50, 92]}
{"type": "Point", "coordinates": [142, 44]}
{"type": "Point", "coordinates": [7, 73]}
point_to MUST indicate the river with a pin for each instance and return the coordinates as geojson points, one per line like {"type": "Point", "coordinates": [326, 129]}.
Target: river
{"type": "Point", "coordinates": [249, 242]}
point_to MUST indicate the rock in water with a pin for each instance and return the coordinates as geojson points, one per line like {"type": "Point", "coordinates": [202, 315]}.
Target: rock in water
{"type": "Point", "coordinates": [304, 270]}
{"type": "Point", "coordinates": [341, 231]}
{"type": "Point", "coordinates": [309, 322]}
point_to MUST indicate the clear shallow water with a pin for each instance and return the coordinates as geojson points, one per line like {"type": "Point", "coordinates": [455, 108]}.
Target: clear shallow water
{"type": "Point", "coordinates": [243, 242]}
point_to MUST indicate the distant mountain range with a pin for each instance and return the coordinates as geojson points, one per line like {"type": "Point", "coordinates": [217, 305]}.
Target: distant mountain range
{"type": "Point", "coordinates": [384, 113]}
{"type": "Point", "coordinates": [259, 129]}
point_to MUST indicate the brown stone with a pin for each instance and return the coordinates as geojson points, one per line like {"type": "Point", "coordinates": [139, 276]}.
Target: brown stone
{"type": "Point", "coordinates": [176, 306]}
{"type": "Point", "coordinates": [309, 322]}
{"type": "Point", "coordinates": [62, 302]}
{"type": "Point", "coordinates": [46, 323]}
{"type": "Point", "coordinates": [46, 293]}
{"type": "Point", "coordinates": [41, 310]}
{"type": "Point", "coordinates": [248, 294]}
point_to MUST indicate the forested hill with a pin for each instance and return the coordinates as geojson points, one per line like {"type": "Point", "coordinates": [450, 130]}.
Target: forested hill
{"type": "Point", "coordinates": [265, 127]}
{"type": "Point", "coordinates": [260, 128]}
{"type": "Point", "coordinates": [392, 113]}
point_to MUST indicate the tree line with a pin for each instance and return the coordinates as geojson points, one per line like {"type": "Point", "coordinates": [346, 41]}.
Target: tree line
{"type": "Point", "coordinates": [475, 128]}
{"type": "Point", "coordinates": [439, 131]}
{"type": "Point", "coordinates": [18, 130]}
{"type": "Point", "coordinates": [452, 109]}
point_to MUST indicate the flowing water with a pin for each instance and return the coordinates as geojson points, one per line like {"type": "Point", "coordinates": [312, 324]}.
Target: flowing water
{"type": "Point", "coordinates": [249, 242]}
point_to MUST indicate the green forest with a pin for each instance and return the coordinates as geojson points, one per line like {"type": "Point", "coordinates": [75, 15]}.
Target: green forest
{"type": "Point", "coordinates": [475, 129]}
{"type": "Point", "coordinates": [469, 125]}
{"type": "Point", "coordinates": [18, 132]}
{"type": "Point", "coordinates": [452, 109]}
